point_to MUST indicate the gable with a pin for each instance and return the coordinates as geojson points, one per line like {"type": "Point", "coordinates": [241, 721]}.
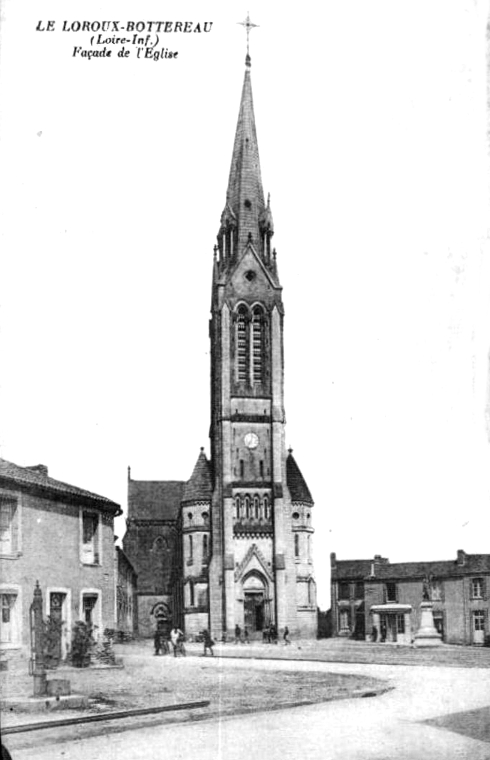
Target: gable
{"type": "Point", "coordinates": [250, 280]}
{"type": "Point", "coordinates": [253, 561]}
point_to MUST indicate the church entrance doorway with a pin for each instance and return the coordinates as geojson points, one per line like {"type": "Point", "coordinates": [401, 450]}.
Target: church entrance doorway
{"type": "Point", "coordinates": [256, 604]}
{"type": "Point", "coordinates": [254, 611]}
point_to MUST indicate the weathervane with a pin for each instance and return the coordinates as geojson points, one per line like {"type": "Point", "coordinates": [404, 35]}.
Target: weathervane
{"type": "Point", "coordinates": [248, 26]}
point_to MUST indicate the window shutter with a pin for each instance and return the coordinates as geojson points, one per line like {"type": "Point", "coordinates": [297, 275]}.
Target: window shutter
{"type": "Point", "coordinates": [15, 529]}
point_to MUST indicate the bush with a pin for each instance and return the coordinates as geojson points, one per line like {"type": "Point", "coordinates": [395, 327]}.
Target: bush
{"type": "Point", "coordinates": [82, 643]}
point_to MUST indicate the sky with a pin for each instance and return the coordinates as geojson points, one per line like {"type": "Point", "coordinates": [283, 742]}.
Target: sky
{"type": "Point", "coordinates": [372, 128]}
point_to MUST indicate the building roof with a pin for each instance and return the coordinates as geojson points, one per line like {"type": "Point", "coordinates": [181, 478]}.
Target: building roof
{"type": "Point", "coordinates": [465, 564]}
{"type": "Point", "coordinates": [199, 487]}
{"type": "Point", "coordinates": [154, 499]}
{"type": "Point", "coordinates": [352, 569]}
{"type": "Point", "coordinates": [36, 479]}
{"type": "Point", "coordinates": [296, 483]}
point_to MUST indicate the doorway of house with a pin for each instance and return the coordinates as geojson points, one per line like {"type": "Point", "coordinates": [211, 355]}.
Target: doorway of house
{"type": "Point", "coordinates": [390, 626]}
{"type": "Point", "coordinates": [88, 605]}
{"type": "Point", "coordinates": [57, 615]}
{"type": "Point", "coordinates": [478, 627]}
{"type": "Point", "coordinates": [360, 626]}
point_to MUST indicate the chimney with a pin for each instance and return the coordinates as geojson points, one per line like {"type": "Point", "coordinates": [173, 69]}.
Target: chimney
{"type": "Point", "coordinates": [42, 469]}
{"type": "Point", "coordinates": [333, 560]}
{"type": "Point", "coordinates": [461, 557]}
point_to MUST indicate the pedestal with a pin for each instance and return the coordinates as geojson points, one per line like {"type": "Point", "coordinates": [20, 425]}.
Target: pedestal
{"type": "Point", "coordinates": [427, 635]}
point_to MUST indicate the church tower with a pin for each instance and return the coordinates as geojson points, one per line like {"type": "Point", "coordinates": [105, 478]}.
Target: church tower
{"type": "Point", "coordinates": [232, 545]}
{"type": "Point", "coordinates": [260, 568]}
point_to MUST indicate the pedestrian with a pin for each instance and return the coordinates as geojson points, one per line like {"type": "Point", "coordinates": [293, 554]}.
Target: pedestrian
{"type": "Point", "coordinates": [286, 636]}
{"type": "Point", "coordinates": [177, 637]}
{"type": "Point", "coordinates": [374, 635]}
{"type": "Point", "coordinates": [273, 634]}
{"type": "Point", "coordinates": [245, 636]}
{"type": "Point", "coordinates": [159, 639]}
{"type": "Point", "coordinates": [208, 642]}
{"type": "Point", "coordinates": [157, 642]}
{"type": "Point", "coordinates": [238, 633]}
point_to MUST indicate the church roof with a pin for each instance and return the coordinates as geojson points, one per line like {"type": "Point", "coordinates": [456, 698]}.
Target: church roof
{"type": "Point", "coordinates": [199, 486]}
{"type": "Point", "coordinates": [35, 479]}
{"type": "Point", "coordinates": [154, 499]}
{"type": "Point", "coordinates": [245, 195]}
{"type": "Point", "coordinates": [296, 483]}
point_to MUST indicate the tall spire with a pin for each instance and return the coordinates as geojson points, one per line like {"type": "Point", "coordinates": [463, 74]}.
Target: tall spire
{"type": "Point", "coordinates": [245, 218]}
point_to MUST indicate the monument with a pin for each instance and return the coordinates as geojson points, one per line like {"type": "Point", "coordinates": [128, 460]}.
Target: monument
{"type": "Point", "coordinates": [427, 635]}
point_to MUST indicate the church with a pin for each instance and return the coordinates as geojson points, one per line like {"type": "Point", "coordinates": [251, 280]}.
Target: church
{"type": "Point", "coordinates": [233, 545]}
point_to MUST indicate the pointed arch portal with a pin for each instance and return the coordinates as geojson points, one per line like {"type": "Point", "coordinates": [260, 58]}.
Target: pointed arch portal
{"type": "Point", "coordinates": [256, 602]}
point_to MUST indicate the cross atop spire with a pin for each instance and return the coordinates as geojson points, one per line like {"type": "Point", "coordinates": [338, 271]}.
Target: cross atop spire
{"type": "Point", "coordinates": [248, 26]}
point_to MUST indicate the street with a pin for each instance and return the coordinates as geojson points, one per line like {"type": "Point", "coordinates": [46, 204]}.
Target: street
{"type": "Point", "coordinates": [387, 726]}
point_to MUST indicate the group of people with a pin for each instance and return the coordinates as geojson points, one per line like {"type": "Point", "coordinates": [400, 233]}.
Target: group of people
{"type": "Point", "coordinates": [241, 637]}
{"type": "Point", "coordinates": [270, 635]}
{"type": "Point", "coordinates": [163, 639]}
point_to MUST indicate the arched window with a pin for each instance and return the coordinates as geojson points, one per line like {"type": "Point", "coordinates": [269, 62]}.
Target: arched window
{"type": "Point", "coordinates": [205, 540]}
{"type": "Point", "coordinates": [247, 507]}
{"type": "Point", "coordinates": [159, 544]}
{"type": "Point", "coordinates": [241, 338]}
{"type": "Point", "coordinates": [267, 513]}
{"type": "Point", "coordinates": [296, 545]}
{"type": "Point", "coordinates": [257, 344]}
{"type": "Point", "coordinates": [191, 594]}
{"type": "Point", "coordinates": [238, 510]}
{"type": "Point", "coordinates": [311, 592]}
{"type": "Point", "coordinates": [256, 507]}
{"type": "Point", "coordinates": [191, 549]}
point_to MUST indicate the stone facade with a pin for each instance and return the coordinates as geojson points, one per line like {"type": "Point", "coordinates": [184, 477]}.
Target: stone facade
{"type": "Point", "coordinates": [63, 537]}
{"type": "Point", "coordinates": [239, 543]}
{"type": "Point", "coordinates": [368, 594]}
{"type": "Point", "coordinates": [126, 595]}
{"type": "Point", "coordinates": [152, 544]}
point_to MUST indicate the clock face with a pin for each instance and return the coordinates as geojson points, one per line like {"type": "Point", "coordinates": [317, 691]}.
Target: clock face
{"type": "Point", "coordinates": [251, 440]}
